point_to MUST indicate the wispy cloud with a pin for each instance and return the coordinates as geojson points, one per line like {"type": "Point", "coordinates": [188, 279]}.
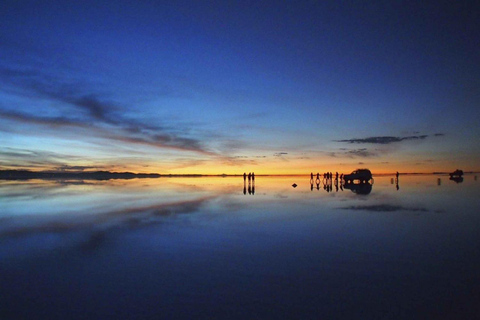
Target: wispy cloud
{"type": "Point", "coordinates": [355, 153]}
{"type": "Point", "coordinates": [100, 115]}
{"type": "Point", "coordinates": [21, 158]}
{"type": "Point", "coordinates": [383, 139]}
{"type": "Point", "coordinates": [363, 153]}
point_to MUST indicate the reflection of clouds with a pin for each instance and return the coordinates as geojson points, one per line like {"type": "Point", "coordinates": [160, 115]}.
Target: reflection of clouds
{"type": "Point", "coordinates": [385, 208]}
{"type": "Point", "coordinates": [101, 223]}
{"type": "Point", "coordinates": [95, 240]}
{"type": "Point", "coordinates": [40, 190]}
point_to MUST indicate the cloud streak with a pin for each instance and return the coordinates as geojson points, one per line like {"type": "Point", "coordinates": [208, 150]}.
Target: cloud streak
{"type": "Point", "coordinates": [355, 153]}
{"type": "Point", "coordinates": [383, 139]}
{"type": "Point", "coordinates": [100, 116]}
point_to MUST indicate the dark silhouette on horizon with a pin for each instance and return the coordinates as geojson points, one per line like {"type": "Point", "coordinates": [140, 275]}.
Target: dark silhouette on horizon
{"type": "Point", "coordinates": [68, 175]}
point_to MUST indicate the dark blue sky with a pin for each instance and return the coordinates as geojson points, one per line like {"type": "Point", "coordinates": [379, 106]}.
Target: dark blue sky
{"type": "Point", "coordinates": [239, 86]}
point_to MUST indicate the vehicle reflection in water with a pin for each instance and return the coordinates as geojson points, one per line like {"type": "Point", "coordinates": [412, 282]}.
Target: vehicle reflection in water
{"type": "Point", "coordinates": [330, 185]}
{"type": "Point", "coordinates": [457, 179]}
{"type": "Point", "coordinates": [359, 188]}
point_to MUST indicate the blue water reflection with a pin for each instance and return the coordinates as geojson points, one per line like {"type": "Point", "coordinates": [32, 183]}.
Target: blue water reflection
{"type": "Point", "coordinates": [202, 248]}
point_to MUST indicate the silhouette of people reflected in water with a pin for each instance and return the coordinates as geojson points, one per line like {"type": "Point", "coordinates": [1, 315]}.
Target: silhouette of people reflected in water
{"type": "Point", "coordinates": [251, 183]}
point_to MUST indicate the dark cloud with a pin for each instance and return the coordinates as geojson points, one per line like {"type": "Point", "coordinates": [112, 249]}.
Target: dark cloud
{"type": "Point", "coordinates": [99, 110]}
{"type": "Point", "coordinates": [383, 139]}
{"type": "Point", "coordinates": [385, 208]}
{"type": "Point", "coordinates": [279, 154]}
{"type": "Point", "coordinates": [439, 134]}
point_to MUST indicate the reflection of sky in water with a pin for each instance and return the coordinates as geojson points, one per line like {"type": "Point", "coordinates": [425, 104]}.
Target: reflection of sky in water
{"type": "Point", "coordinates": [199, 247]}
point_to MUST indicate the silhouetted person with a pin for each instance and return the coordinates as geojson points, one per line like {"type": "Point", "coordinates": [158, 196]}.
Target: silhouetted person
{"type": "Point", "coordinates": [249, 176]}
{"type": "Point", "coordinates": [336, 175]}
{"type": "Point", "coordinates": [311, 176]}
{"type": "Point", "coordinates": [253, 176]}
{"type": "Point", "coordinates": [397, 174]}
{"type": "Point", "coordinates": [244, 176]}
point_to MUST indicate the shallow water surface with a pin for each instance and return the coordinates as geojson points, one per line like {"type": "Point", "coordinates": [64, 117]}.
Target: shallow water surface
{"type": "Point", "coordinates": [216, 248]}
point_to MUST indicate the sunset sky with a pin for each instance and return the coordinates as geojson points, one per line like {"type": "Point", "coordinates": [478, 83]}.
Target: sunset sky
{"type": "Point", "coordinates": [232, 86]}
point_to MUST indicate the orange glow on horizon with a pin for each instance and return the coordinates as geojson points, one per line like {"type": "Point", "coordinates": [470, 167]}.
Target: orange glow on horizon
{"type": "Point", "coordinates": [275, 166]}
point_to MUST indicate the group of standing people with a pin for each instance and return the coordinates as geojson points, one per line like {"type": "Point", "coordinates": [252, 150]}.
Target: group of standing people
{"type": "Point", "coordinates": [251, 176]}
{"type": "Point", "coordinates": [326, 175]}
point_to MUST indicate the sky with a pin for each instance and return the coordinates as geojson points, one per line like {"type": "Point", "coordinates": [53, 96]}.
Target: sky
{"type": "Point", "coordinates": [212, 87]}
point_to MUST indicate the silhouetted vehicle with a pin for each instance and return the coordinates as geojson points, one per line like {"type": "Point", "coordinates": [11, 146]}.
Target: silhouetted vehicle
{"type": "Point", "coordinates": [362, 175]}
{"type": "Point", "coordinates": [359, 188]}
{"type": "Point", "coordinates": [456, 174]}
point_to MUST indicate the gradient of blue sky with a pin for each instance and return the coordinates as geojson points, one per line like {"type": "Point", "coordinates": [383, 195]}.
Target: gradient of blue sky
{"type": "Point", "coordinates": [227, 86]}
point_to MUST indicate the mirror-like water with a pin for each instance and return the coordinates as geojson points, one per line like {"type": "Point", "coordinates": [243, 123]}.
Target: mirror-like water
{"type": "Point", "coordinates": [202, 248]}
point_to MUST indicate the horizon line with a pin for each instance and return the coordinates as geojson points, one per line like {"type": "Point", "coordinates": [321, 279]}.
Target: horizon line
{"type": "Point", "coordinates": [158, 175]}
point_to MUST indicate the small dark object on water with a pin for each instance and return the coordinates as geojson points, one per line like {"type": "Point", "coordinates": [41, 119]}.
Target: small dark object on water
{"type": "Point", "coordinates": [294, 185]}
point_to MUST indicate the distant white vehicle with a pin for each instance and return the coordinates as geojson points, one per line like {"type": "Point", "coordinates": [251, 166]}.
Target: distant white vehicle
{"type": "Point", "coordinates": [361, 175]}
